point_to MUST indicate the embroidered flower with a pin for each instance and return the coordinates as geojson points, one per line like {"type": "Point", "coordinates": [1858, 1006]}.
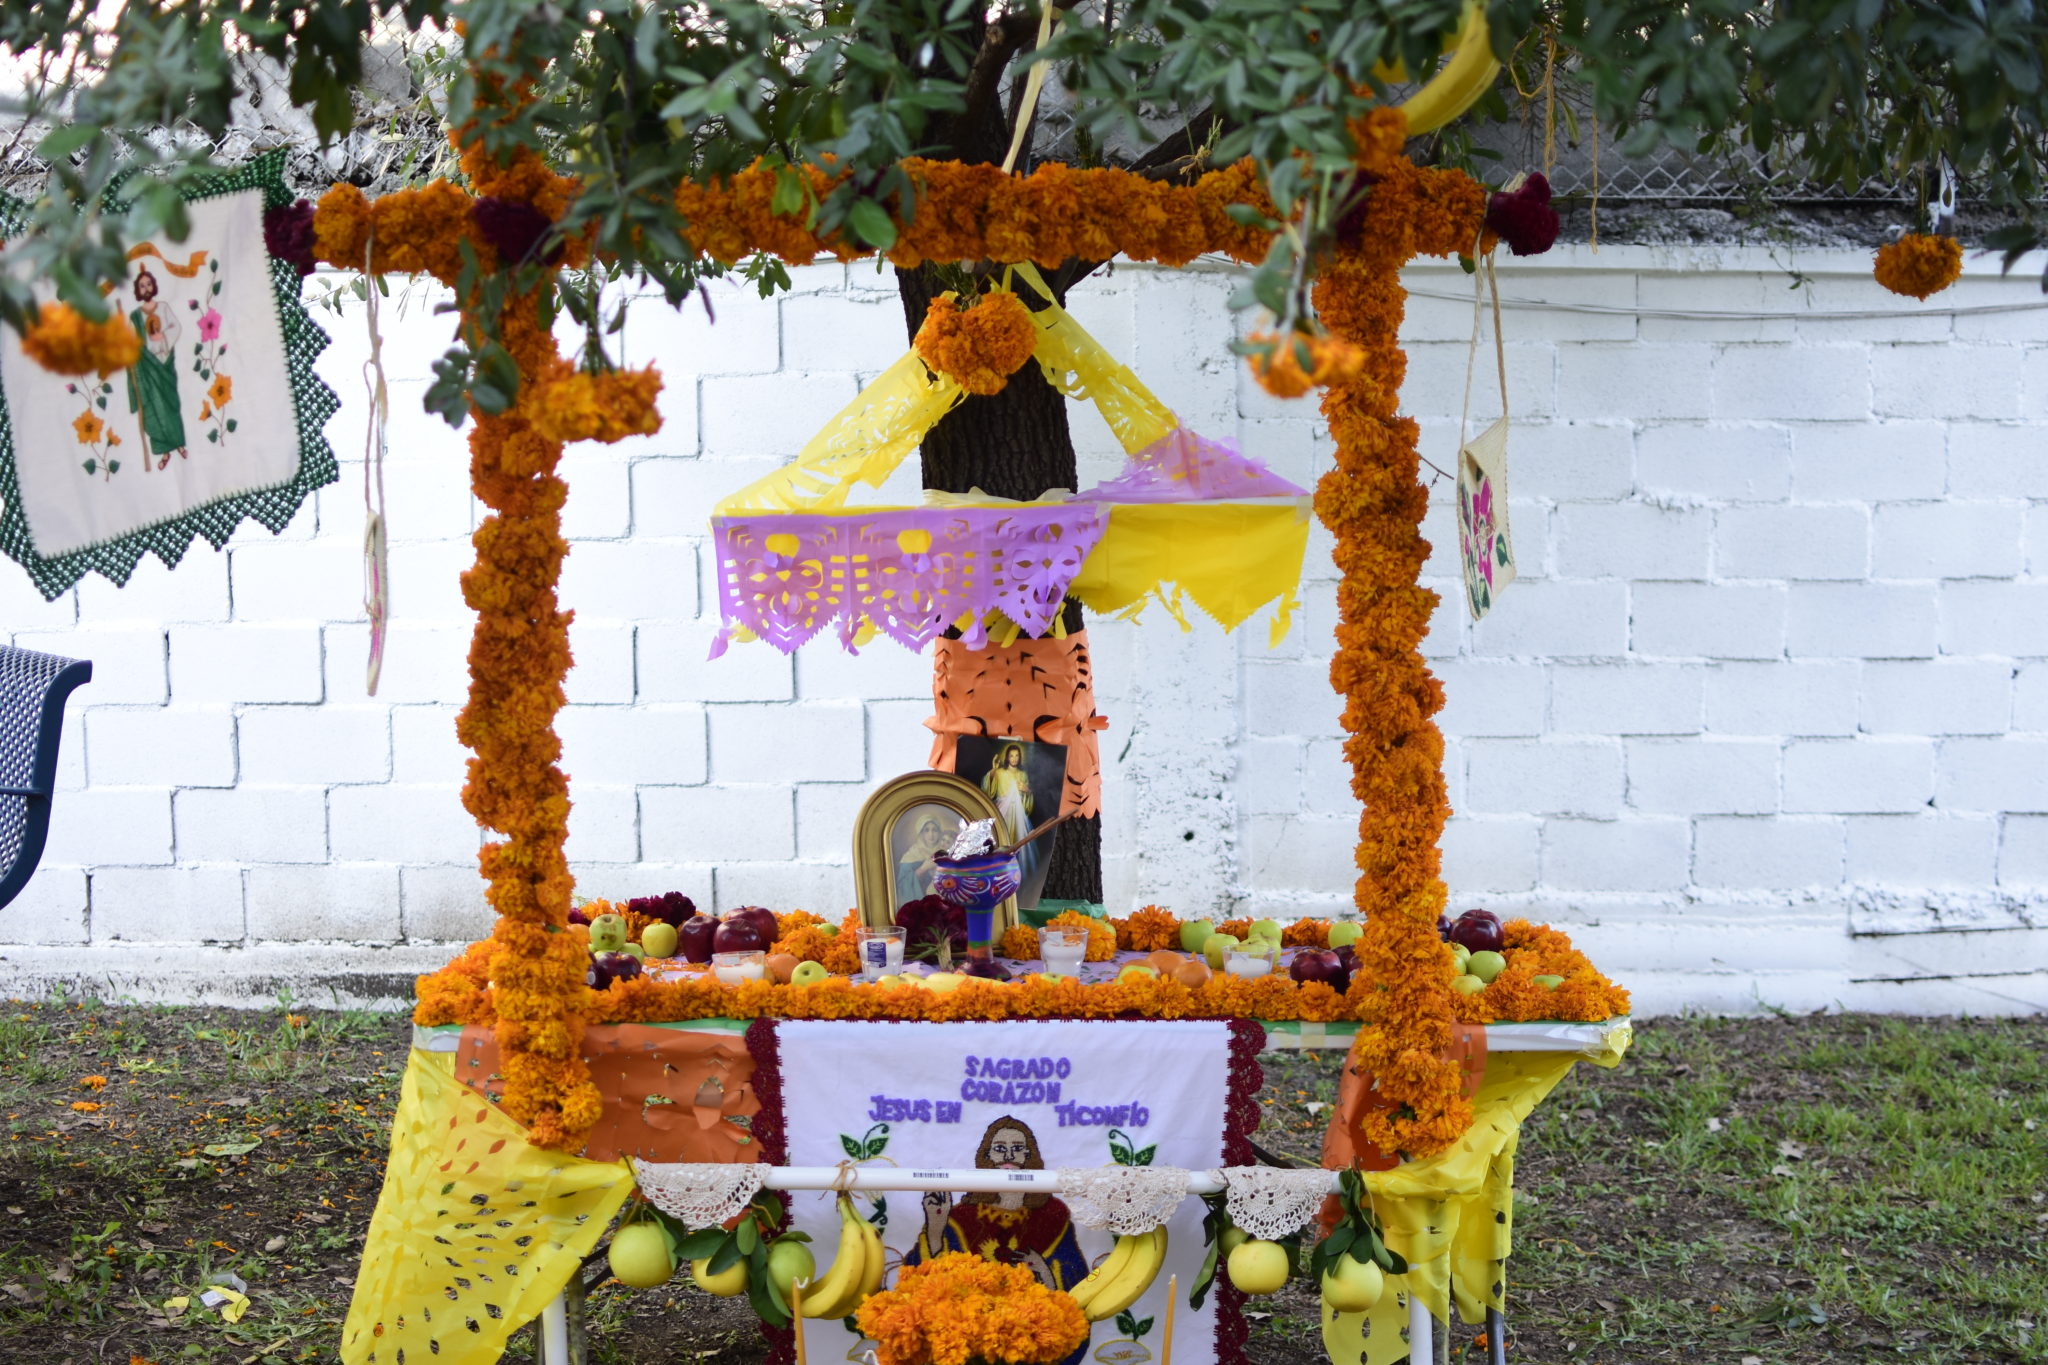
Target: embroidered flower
{"type": "Point", "coordinates": [209, 325]}
{"type": "Point", "coordinates": [88, 428]}
{"type": "Point", "coordinates": [220, 391]}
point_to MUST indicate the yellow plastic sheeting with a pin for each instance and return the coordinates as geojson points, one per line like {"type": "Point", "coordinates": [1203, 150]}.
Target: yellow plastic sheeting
{"type": "Point", "coordinates": [474, 1231]}
{"type": "Point", "coordinates": [1231, 558]}
{"type": "Point", "coordinates": [869, 437]}
{"type": "Point", "coordinates": [1452, 1215]}
{"type": "Point", "coordinates": [863, 443]}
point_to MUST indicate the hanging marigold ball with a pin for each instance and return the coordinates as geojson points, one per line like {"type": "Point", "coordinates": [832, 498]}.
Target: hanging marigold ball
{"type": "Point", "coordinates": [978, 346]}
{"type": "Point", "coordinates": [1290, 369]}
{"type": "Point", "coordinates": [1919, 264]}
{"type": "Point", "coordinates": [63, 341]}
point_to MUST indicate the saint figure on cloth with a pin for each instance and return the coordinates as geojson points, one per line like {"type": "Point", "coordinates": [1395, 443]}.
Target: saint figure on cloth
{"type": "Point", "coordinates": [915, 869]}
{"type": "Point", "coordinates": [1009, 786]}
{"type": "Point", "coordinates": [153, 378]}
{"type": "Point", "coordinates": [1032, 1230]}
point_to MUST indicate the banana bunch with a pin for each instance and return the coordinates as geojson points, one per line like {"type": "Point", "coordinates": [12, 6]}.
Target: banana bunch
{"type": "Point", "coordinates": [1131, 1266]}
{"type": "Point", "coordinates": [1460, 82]}
{"type": "Point", "coordinates": [856, 1268]}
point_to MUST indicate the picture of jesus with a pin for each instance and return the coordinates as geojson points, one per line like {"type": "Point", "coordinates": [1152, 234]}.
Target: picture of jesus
{"type": "Point", "coordinates": [153, 378]}
{"type": "Point", "coordinates": [1031, 1230]}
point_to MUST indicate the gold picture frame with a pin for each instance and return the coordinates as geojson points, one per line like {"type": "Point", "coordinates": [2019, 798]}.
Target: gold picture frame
{"type": "Point", "coordinates": [895, 827]}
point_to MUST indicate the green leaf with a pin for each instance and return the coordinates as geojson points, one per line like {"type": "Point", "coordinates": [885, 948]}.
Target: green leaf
{"type": "Point", "coordinates": [747, 1236]}
{"type": "Point", "coordinates": [231, 424]}
{"type": "Point", "coordinates": [1144, 1155]}
{"type": "Point", "coordinates": [213, 436]}
{"type": "Point", "coordinates": [871, 224]}
{"type": "Point", "coordinates": [851, 1146]}
{"type": "Point", "coordinates": [92, 466]}
{"type": "Point", "coordinates": [727, 1254]}
{"type": "Point", "coordinates": [65, 140]}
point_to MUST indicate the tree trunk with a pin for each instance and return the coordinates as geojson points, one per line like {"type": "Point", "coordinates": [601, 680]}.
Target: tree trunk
{"type": "Point", "coordinates": [1013, 444]}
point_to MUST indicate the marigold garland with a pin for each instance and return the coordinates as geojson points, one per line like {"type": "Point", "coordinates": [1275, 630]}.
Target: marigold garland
{"type": "Point", "coordinates": [606, 407]}
{"type": "Point", "coordinates": [1373, 505]}
{"type": "Point", "coordinates": [1290, 368]}
{"type": "Point", "coordinates": [1919, 264]}
{"type": "Point", "coordinates": [62, 341]}
{"type": "Point", "coordinates": [963, 1309]}
{"type": "Point", "coordinates": [978, 346]}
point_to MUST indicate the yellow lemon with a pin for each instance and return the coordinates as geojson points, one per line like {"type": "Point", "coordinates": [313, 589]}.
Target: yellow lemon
{"type": "Point", "coordinates": [1259, 1267]}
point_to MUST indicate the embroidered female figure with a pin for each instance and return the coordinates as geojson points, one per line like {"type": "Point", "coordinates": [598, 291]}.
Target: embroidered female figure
{"type": "Point", "coordinates": [1031, 1230]}
{"type": "Point", "coordinates": [153, 379]}
{"type": "Point", "coordinates": [1009, 786]}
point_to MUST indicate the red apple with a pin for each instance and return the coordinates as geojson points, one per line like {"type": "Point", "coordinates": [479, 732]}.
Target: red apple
{"type": "Point", "coordinates": [1315, 964]}
{"type": "Point", "coordinates": [763, 921]}
{"type": "Point", "coordinates": [576, 915]}
{"type": "Point", "coordinates": [621, 966]}
{"type": "Point", "coordinates": [1479, 931]}
{"type": "Point", "coordinates": [737, 934]}
{"type": "Point", "coordinates": [693, 938]}
{"type": "Point", "coordinates": [1443, 928]}
{"type": "Point", "coordinates": [986, 968]}
{"type": "Point", "coordinates": [596, 977]}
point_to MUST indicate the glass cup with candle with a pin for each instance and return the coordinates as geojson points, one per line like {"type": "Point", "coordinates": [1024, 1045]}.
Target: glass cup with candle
{"type": "Point", "coordinates": [1249, 965]}
{"type": "Point", "coordinates": [881, 952]}
{"type": "Point", "coordinates": [736, 969]}
{"type": "Point", "coordinates": [1063, 950]}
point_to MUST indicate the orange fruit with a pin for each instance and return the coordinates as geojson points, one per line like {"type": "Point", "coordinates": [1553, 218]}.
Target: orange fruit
{"type": "Point", "coordinates": [780, 967]}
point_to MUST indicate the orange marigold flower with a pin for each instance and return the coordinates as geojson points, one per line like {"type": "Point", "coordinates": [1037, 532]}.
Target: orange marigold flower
{"type": "Point", "coordinates": [604, 407]}
{"type": "Point", "coordinates": [1020, 943]}
{"type": "Point", "coordinates": [1101, 937]}
{"type": "Point", "coordinates": [86, 1106]}
{"type": "Point", "coordinates": [92, 1083]}
{"type": "Point", "coordinates": [63, 342]}
{"type": "Point", "coordinates": [959, 1308]}
{"type": "Point", "coordinates": [979, 345]}
{"type": "Point", "coordinates": [1919, 264]}
{"type": "Point", "coordinates": [1148, 930]}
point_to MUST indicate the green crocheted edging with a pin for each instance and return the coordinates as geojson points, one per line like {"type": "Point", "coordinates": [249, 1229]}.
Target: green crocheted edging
{"type": "Point", "coordinates": [272, 507]}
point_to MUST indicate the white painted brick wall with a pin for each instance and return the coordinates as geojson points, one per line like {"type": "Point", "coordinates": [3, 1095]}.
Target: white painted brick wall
{"type": "Point", "coordinates": [1765, 719]}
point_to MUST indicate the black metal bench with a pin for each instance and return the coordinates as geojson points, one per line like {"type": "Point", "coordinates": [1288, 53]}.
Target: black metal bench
{"type": "Point", "coordinates": [33, 689]}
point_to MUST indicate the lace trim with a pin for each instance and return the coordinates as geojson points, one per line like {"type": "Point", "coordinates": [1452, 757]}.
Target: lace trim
{"type": "Point", "coordinates": [700, 1194]}
{"type": "Point", "coordinates": [1270, 1202]}
{"type": "Point", "coordinates": [1125, 1200]}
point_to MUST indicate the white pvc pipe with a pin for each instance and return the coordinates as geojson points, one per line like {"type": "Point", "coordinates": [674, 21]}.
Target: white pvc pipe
{"type": "Point", "coordinates": [554, 1332]}
{"type": "Point", "coordinates": [972, 1180]}
{"type": "Point", "coordinates": [1421, 1330]}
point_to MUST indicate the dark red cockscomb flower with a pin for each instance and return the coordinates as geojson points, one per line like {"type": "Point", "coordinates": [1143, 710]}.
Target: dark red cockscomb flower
{"type": "Point", "coordinates": [927, 922]}
{"type": "Point", "coordinates": [1523, 217]}
{"type": "Point", "coordinates": [514, 229]}
{"type": "Point", "coordinates": [288, 235]}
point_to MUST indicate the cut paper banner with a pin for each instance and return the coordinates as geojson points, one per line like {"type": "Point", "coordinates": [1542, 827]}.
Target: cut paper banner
{"type": "Point", "coordinates": [1186, 518]}
{"type": "Point", "coordinates": [219, 418]}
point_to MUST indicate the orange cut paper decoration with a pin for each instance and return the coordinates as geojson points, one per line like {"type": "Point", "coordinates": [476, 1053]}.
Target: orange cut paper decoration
{"type": "Point", "coordinates": [1040, 690]}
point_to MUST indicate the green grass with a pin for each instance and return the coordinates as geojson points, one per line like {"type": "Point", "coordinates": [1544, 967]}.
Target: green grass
{"type": "Point", "coordinates": [1781, 1192]}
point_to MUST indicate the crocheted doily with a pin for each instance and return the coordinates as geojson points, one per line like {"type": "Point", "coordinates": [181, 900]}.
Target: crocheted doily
{"type": "Point", "coordinates": [1270, 1202]}
{"type": "Point", "coordinates": [1125, 1200]}
{"type": "Point", "coordinates": [699, 1194]}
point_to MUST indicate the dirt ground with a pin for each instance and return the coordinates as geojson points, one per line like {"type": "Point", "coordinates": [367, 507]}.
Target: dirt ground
{"type": "Point", "coordinates": [1825, 1189]}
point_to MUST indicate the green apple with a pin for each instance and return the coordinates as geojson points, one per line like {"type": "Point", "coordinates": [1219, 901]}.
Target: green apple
{"type": "Point", "coordinates": [789, 1261]}
{"type": "Point", "coordinates": [640, 1256]}
{"type": "Point", "coordinates": [1467, 985]}
{"type": "Point", "coordinates": [726, 1283]}
{"type": "Point", "coordinates": [1259, 1267]}
{"type": "Point", "coordinates": [1194, 933]}
{"type": "Point", "coordinates": [659, 939]}
{"type": "Point", "coordinates": [1352, 1286]}
{"type": "Point", "coordinates": [1486, 966]}
{"type": "Point", "coordinates": [809, 974]}
{"type": "Point", "coordinates": [1216, 949]}
{"type": "Point", "coordinates": [828, 930]}
{"type": "Point", "coordinates": [1461, 955]}
{"type": "Point", "coordinates": [1550, 983]}
{"type": "Point", "coordinates": [1344, 931]}
{"type": "Point", "coordinates": [1136, 969]}
{"type": "Point", "coordinates": [1267, 928]}
{"type": "Point", "coordinates": [608, 934]}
